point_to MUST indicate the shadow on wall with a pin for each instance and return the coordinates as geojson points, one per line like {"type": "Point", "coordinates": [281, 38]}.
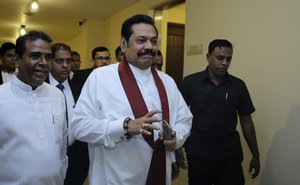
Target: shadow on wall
{"type": "Point", "coordinates": [283, 158]}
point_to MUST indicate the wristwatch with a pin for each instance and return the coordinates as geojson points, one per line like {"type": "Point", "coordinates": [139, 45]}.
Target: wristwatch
{"type": "Point", "coordinates": [125, 126]}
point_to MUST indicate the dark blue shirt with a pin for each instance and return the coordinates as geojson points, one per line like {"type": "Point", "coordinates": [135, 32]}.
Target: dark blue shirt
{"type": "Point", "coordinates": [215, 109]}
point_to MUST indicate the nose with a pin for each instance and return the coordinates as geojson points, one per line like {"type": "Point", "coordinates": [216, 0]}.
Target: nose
{"type": "Point", "coordinates": [149, 45]}
{"type": "Point", "coordinates": [225, 62]}
{"type": "Point", "coordinates": [43, 60]}
{"type": "Point", "coordinates": [106, 62]}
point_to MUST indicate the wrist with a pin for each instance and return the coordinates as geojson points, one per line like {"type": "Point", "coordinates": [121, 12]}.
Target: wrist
{"type": "Point", "coordinates": [125, 127]}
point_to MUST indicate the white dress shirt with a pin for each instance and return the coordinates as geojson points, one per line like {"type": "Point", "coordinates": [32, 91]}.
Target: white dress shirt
{"type": "Point", "coordinates": [70, 102]}
{"type": "Point", "coordinates": [98, 119]}
{"type": "Point", "coordinates": [32, 134]}
{"type": "Point", "coordinates": [8, 76]}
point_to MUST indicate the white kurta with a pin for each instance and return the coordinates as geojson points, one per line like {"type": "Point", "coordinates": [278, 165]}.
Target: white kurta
{"type": "Point", "coordinates": [98, 119]}
{"type": "Point", "coordinates": [32, 134]}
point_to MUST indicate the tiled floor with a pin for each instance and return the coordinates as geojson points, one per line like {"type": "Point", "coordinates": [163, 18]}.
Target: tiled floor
{"type": "Point", "coordinates": [181, 180]}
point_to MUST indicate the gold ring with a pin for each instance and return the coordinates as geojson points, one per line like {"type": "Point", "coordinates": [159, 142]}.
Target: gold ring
{"type": "Point", "coordinates": [141, 131]}
{"type": "Point", "coordinates": [144, 126]}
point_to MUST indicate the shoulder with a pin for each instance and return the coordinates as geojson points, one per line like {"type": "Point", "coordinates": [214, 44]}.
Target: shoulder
{"type": "Point", "coordinates": [194, 78]}
{"type": "Point", "coordinates": [235, 80]}
{"type": "Point", "coordinates": [83, 72]}
{"type": "Point", "coordinates": [165, 76]}
{"type": "Point", "coordinates": [51, 91]}
{"type": "Point", "coordinates": [4, 88]}
{"type": "Point", "coordinates": [106, 70]}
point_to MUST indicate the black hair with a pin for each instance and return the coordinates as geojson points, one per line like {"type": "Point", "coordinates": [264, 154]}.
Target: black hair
{"type": "Point", "coordinates": [98, 49]}
{"type": "Point", "coordinates": [6, 46]}
{"type": "Point", "coordinates": [117, 50]}
{"type": "Point", "coordinates": [158, 53]}
{"type": "Point", "coordinates": [75, 53]}
{"type": "Point", "coordinates": [126, 30]}
{"type": "Point", "coordinates": [218, 43]}
{"type": "Point", "coordinates": [31, 36]}
{"type": "Point", "coordinates": [60, 46]}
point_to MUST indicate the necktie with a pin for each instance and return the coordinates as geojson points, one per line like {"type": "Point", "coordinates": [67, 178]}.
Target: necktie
{"type": "Point", "coordinates": [61, 87]}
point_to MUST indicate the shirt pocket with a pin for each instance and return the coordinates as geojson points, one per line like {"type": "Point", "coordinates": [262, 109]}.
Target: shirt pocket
{"type": "Point", "coordinates": [58, 127]}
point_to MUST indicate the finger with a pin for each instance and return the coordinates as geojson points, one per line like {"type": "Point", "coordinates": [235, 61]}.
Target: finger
{"type": "Point", "coordinates": [146, 132]}
{"type": "Point", "coordinates": [173, 133]}
{"type": "Point", "coordinates": [169, 145]}
{"type": "Point", "coordinates": [152, 127]}
{"type": "Point", "coordinates": [152, 113]}
{"type": "Point", "coordinates": [254, 174]}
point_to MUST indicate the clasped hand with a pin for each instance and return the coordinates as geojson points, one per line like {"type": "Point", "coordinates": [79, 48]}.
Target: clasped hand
{"type": "Point", "coordinates": [143, 125]}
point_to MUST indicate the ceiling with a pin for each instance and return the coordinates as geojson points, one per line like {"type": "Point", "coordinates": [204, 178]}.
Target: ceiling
{"type": "Point", "coordinates": [58, 18]}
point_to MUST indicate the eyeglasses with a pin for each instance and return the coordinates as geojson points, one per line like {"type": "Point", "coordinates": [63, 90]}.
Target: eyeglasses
{"type": "Point", "coordinates": [63, 60]}
{"type": "Point", "coordinates": [102, 58]}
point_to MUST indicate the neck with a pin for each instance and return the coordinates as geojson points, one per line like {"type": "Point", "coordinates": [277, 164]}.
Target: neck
{"type": "Point", "coordinates": [216, 79]}
{"type": "Point", "coordinates": [8, 70]}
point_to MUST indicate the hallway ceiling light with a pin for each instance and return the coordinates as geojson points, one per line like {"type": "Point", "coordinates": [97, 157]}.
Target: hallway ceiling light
{"type": "Point", "coordinates": [34, 6]}
{"type": "Point", "coordinates": [22, 30]}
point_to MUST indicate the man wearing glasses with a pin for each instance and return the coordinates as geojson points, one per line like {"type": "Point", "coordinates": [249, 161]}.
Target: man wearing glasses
{"type": "Point", "coordinates": [100, 58]}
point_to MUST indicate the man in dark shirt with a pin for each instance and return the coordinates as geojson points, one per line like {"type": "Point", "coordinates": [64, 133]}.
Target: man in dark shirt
{"type": "Point", "coordinates": [214, 150]}
{"type": "Point", "coordinates": [100, 58]}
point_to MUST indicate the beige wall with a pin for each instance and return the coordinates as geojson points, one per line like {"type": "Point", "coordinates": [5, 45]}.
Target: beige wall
{"type": "Point", "coordinates": [265, 34]}
{"type": "Point", "coordinates": [92, 35]}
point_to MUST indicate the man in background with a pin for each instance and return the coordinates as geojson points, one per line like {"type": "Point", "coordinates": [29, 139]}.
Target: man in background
{"type": "Point", "coordinates": [75, 66]}
{"type": "Point", "coordinates": [158, 60]}
{"type": "Point", "coordinates": [8, 58]}
{"type": "Point", "coordinates": [100, 57]}
{"type": "Point", "coordinates": [216, 99]}
{"type": "Point", "coordinates": [77, 150]}
{"type": "Point", "coordinates": [119, 54]}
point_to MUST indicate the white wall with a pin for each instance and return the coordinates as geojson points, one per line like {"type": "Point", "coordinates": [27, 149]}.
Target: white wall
{"type": "Point", "coordinates": [265, 34]}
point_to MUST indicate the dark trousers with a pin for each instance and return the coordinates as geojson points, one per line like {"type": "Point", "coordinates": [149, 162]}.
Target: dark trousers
{"type": "Point", "coordinates": [215, 172]}
{"type": "Point", "coordinates": [78, 164]}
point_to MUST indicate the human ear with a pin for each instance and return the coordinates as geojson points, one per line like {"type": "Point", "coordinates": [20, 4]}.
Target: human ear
{"type": "Point", "coordinates": [123, 44]}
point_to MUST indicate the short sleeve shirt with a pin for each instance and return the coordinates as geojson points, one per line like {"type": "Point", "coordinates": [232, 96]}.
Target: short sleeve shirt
{"type": "Point", "coordinates": [215, 109]}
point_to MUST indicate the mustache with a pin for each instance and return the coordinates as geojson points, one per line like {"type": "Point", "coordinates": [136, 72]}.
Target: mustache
{"type": "Point", "coordinates": [147, 52]}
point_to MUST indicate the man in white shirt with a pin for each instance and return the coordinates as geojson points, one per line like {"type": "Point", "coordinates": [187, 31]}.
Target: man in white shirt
{"type": "Point", "coordinates": [77, 150]}
{"type": "Point", "coordinates": [33, 135]}
{"type": "Point", "coordinates": [8, 58]}
{"type": "Point", "coordinates": [120, 113]}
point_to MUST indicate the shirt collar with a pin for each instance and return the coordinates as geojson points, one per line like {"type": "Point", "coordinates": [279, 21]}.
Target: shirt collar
{"type": "Point", "coordinates": [15, 80]}
{"type": "Point", "coordinates": [227, 77]}
{"type": "Point", "coordinates": [54, 82]}
{"type": "Point", "coordinates": [138, 72]}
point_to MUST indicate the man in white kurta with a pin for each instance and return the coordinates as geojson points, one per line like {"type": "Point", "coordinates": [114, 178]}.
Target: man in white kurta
{"type": "Point", "coordinates": [32, 148]}
{"type": "Point", "coordinates": [102, 111]}
{"type": "Point", "coordinates": [98, 120]}
{"type": "Point", "coordinates": [33, 134]}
